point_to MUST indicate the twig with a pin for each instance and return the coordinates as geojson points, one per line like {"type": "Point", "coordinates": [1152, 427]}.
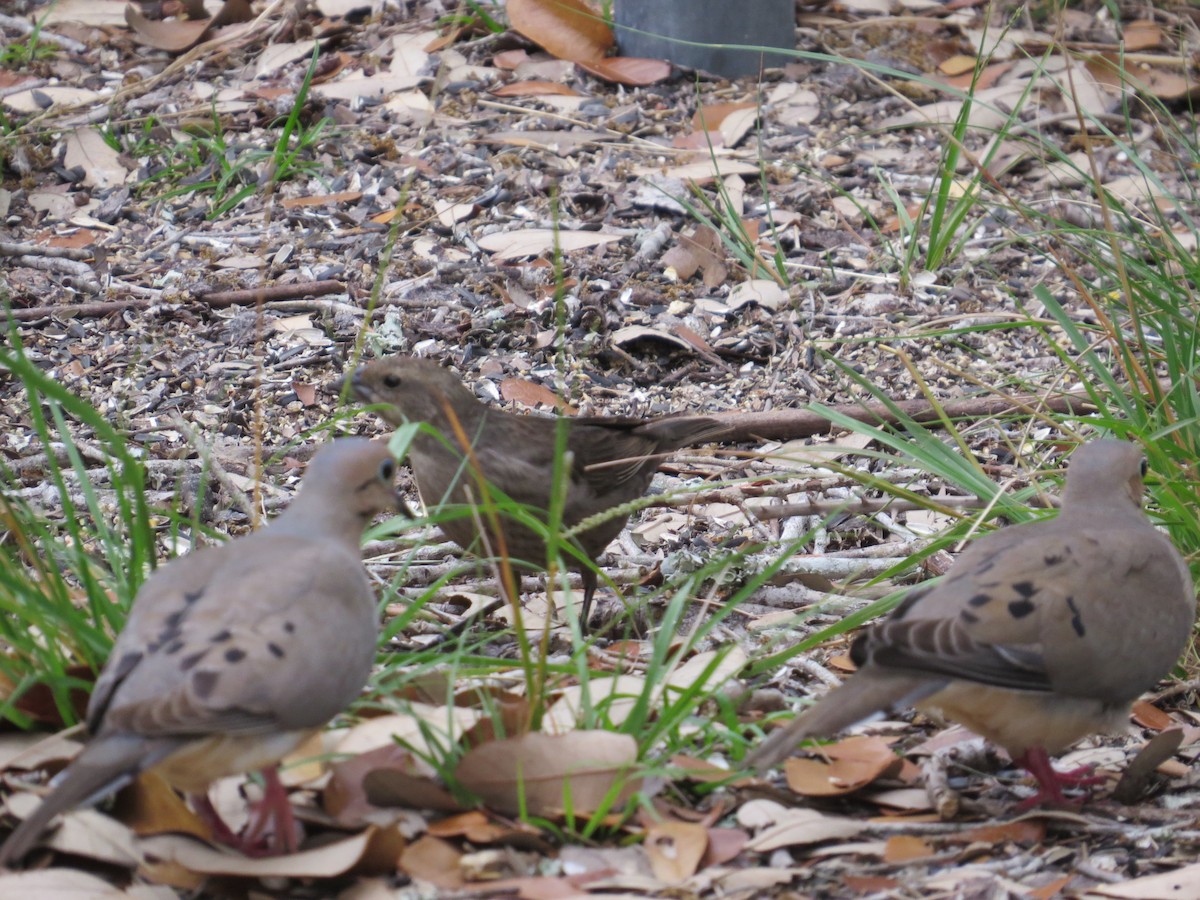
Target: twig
{"type": "Point", "coordinates": [789, 424]}
{"type": "Point", "coordinates": [267, 293]}
{"type": "Point", "coordinates": [43, 36]}
{"type": "Point", "coordinates": [8, 248]}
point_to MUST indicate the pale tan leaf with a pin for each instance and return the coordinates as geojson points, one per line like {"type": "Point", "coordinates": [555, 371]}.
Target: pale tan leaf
{"type": "Point", "coordinates": [101, 164]}
{"type": "Point", "coordinates": [764, 292]}
{"type": "Point", "coordinates": [796, 827]}
{"type": "Point", "coordinates": [1181, 884]}
{"type": "Point", "coordinates": [71, 884]}
{"type": "Point", "coordinates": [433, 860]}
{"type": "Point", "coordinates": [550, 773]}
{"type": "Point", "coordinates": [535, 241]}
{"type": "Point", "coordinates": [675, 849]}
{"type": "Point", "coordinates": [323, 862]}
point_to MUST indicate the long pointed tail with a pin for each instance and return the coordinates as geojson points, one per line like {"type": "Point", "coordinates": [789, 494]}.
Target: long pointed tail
{"type": "Point", "coordinates": [866, 694]}
{"type": "Point", "coordinates": [103, 767]}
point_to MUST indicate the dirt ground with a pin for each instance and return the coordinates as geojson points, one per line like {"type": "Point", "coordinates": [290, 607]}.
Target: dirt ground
{"type": "Point", "coordinates": [451, 164]}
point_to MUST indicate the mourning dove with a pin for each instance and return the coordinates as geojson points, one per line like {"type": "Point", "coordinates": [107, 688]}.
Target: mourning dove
{"type": "Point", "coordinates": [612, 460]}
{"type": "Point", "coordinates": [233, 655]}
{"type": "Point", "coordinates": [1040, 634]}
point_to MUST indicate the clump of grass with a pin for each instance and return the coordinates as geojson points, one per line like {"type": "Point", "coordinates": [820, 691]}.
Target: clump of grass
{"type": "Point", "coordinates": [66, 583]}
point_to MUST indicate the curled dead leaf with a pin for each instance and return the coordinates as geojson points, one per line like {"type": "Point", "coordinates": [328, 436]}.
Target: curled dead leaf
{"type": "Point", "coordinates": [550, 774]}
{"type": "Point", "coordinates": [567, 28]}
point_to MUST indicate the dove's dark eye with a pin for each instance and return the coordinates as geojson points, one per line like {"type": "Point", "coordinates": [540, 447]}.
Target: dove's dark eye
{"type": "Point", "coordinates": [392, 381]}
{"type": "Point", "coordinates": [387, 470]}
{"type": "Point", "coordinates": [1145, 467]}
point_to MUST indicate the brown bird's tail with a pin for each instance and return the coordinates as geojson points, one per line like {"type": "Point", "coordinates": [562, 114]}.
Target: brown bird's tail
{"type": "Point", "coordinates": [865, 695]}
{"type": "Point", "coordinates": [104, 766]}
{"type": "Point", "coordinates": [674, 432]}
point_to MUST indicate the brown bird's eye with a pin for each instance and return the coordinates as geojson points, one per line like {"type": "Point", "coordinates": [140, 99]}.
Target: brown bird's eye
{"type": "Point", "coordinates": [392, 381]}
{"type": "Point", "coordinates": [1145, 466]}
{"type": "Point", "coordinates": [387, 470]}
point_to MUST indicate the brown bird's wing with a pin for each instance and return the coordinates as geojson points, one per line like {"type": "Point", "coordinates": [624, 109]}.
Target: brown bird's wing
{"type": "Point", "coordinates": [611, 451]}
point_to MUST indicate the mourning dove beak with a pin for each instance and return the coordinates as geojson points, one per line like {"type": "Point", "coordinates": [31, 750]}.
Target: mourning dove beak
{"type": "Point", "coordinates": [233, 655]}
{"type": "Point", "coordinates": [1041, 633]}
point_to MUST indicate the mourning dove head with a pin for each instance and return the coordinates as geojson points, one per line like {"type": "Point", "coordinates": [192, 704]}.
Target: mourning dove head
{"type": "Point", "coordinates": [1106, 473]}
{"type": "Point", "coordinates": [348, 483]}
{"type": "Point", "coordinates": [419, 388]}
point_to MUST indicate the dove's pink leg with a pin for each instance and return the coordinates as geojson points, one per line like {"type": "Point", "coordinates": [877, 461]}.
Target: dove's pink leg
{"type": "Point", "coordinates": [274, 806]}
{"type": "Point", "coordinates": [208, 814]}
{"type": "Point", "coordinates": [1050, 781]}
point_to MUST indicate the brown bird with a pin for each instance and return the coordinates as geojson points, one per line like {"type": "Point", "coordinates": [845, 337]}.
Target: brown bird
{"type": "Point", "coordinates": [612, 460]}
{"type": "Point", "coordinates": [234, 655]}
{"type": "Point", "coordinates": [1040, 634]}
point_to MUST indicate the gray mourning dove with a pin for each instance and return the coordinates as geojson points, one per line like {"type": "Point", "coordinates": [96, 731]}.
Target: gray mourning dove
{"type": "Point", "coordinates": [612, 460]}
{"type": "Point", "coordinates": [234, 655]}
{"type": "Point", "coordinates": [1040, 634]}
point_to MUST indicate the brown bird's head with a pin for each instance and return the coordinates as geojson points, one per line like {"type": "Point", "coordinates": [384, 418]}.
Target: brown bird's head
{"type": "Point", "coordinates": [1099, 471]}
{"type": "Point", "coordinates": [348, 483]}
{"type": "Point", "coordinates": [418, 389]}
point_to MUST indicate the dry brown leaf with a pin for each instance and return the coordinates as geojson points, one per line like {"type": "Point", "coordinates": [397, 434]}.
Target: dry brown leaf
{"type": "Point", "coordinates": [307, 393]}
{"type": "Point", "coordinates": [322, 200]}
{"type": "Point", "coordinates": [1150, 716]}
{"type": "Point", "coordinates": [711, 115]}
{"type": "Point", "coordinates": [906, 847]}
{"type": "Point", "coordinates": [178, 35]}
{"type": "Point", "coordinates": [509, 59]}
{"type": "Point", "coordinates": [675, 849]}
{"type": "Point", "coordinates": [174, 35]}
{"type": "Point", "coordinates": [382, 778]}
{"type": "Point", "coordinates": [855, 763]}
{"type": "Point", "coordinates": [551, 772]}
{"type": "Point", "coordinates": [628, 70]}
{"type": "Point", "coordinates": [150, 806]}
{"type": "Point", "coordinates": [987, 78]}
{"type": "Point", "coordinates": [1019, 831]}
{"type": "Point", "coordinates": [698, 140]}
{"type": "Point", "coordinates": [567, 28]}
{"type": "Point", "coordinates": [534, 89]}
{"type": "Point", "coordinates": [434, 860]}
{"type": "Point", "coordinates": [724, 845]}
{"type": "Point", "coordinates": [1141, 34]}
{"type": "Point", "coordinates": [959, 64]}
{"type": "Point", "coordinates": [1051, 889]}
{"type": "Point", "coordinates": [869, 884]}
{"type": "Point", "coordinates": [531, 394]}
{"type": "Point", "coordinates": [472, 825]}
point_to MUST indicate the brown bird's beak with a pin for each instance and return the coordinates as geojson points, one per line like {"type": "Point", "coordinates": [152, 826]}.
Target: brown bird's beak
{"type": "Point", "coordinates": [358, 389]}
